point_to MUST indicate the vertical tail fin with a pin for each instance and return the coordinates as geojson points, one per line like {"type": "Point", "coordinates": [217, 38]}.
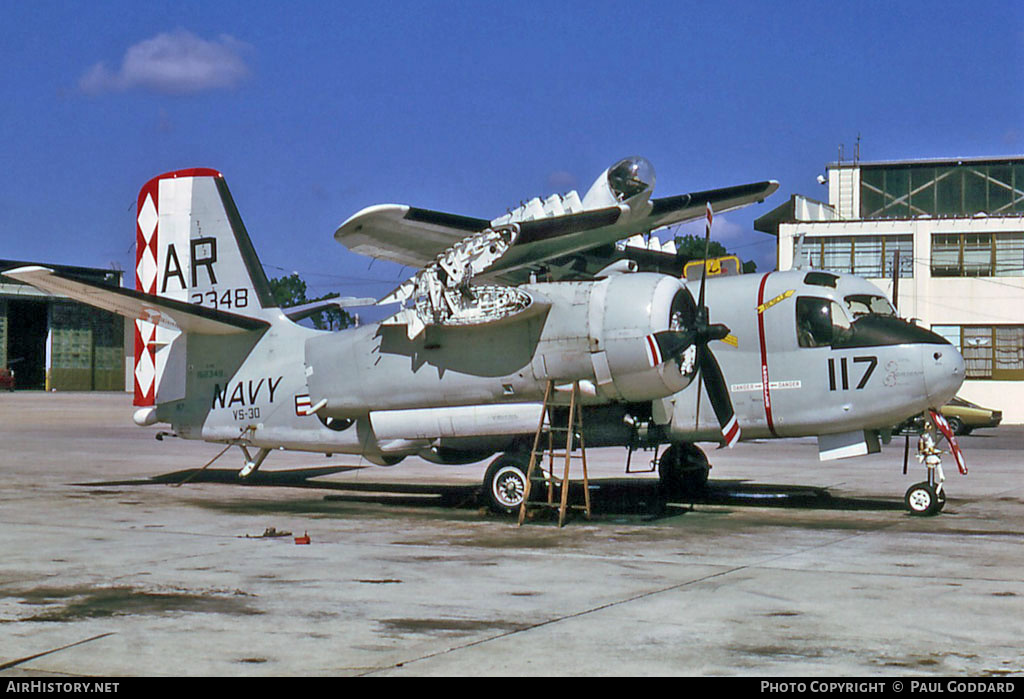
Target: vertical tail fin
{"type": "Point", "coordinates": [191, 246]}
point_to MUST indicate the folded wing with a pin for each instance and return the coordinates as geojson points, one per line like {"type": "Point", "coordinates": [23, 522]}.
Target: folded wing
{"type": "Point", "coordinates": [415, 237]}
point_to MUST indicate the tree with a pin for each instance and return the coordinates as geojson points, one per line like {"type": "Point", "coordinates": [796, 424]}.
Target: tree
{"type": "Point", "coordinates": [291, 291]}
{"type": "Point", "coordinates": [288, 291]}
{"type": "Point", "coordinates": [691, 247]}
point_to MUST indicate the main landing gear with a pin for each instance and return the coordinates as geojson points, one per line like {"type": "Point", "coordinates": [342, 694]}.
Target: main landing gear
{"type": "Point", "coordinates": [505, 482]}
{"type": "Point", "coordinates": [683, 470]}
{"type": "Point", "coordinates": [927, 497]}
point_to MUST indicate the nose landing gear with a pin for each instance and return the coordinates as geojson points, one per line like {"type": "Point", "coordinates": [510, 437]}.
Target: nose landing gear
{"type": "Point", "coordinates": [928, 497]}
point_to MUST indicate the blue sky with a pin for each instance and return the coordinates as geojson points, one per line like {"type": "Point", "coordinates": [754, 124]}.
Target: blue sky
{"type": "Point", "coordinates": [315, 110]}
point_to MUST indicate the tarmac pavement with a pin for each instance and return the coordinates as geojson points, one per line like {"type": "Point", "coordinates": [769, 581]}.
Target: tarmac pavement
{"type": "Point", "coordinates": [789, 567]}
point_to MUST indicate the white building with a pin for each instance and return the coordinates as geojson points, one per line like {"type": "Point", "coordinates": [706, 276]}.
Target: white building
{"type": "Point", "coordinates": [958, 228]}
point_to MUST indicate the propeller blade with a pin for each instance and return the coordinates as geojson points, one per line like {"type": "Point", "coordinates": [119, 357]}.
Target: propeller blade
{"type": "Point", "coordinates": [709, 215]}
{"type": "Point", "coordinates": [718, 394]}
{"type": "Point", "coordinates": [667, 344]}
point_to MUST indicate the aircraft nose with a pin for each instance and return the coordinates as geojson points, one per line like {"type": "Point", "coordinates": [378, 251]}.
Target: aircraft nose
{"type": "Point", "coordinates": [944, 372]}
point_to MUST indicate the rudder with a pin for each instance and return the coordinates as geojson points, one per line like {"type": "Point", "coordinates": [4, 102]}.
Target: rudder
{"type": "Point", "coordinates": [191, 246]}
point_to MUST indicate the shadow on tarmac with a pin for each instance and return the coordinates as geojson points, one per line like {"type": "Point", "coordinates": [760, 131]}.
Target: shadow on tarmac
{"type": "Point", "coordinates": [608, 495]}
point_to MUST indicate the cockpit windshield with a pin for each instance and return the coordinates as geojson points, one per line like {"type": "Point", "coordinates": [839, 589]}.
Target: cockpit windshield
{"type": "Point", "coordinates": [822, 322]}
{"type": "Point", "coordinates": [863, 304]}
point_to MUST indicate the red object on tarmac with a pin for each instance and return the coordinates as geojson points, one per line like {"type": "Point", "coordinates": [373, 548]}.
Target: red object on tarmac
{"type": "Point", "coordinates": [304, 539]}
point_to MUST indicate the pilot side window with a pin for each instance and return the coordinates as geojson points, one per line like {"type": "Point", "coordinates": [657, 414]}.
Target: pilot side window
{"type": "Point", "coordinates": [820, 322]}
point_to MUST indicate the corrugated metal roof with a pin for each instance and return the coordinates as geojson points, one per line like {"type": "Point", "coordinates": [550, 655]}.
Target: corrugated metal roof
{"type": "Point", "coordinates": [928, 161]}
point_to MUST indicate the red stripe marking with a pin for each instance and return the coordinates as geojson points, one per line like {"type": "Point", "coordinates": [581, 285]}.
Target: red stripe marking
{"type": "Point", "coordinates": [190, 172]}
{"type": "Point", "coordinates": [764, 359]}
{"type": "Point", "coordinates": [653, 348]}
{"type": "Point", "coordinates": [733, 434]}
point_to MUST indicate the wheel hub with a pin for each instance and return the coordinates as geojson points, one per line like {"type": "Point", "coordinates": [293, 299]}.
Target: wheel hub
{"type": "Point", "coordinates": [509, 488]}
{"type": "Point", "coordinates": [920, 500]}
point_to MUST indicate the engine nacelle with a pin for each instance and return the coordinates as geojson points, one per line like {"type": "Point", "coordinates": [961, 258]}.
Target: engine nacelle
{"type": "Point", "coordinates": [598, 331]}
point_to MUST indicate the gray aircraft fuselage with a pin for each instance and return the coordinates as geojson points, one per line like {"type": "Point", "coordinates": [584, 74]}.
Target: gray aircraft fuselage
{"type": "Point", "coordinates": [863, 372]}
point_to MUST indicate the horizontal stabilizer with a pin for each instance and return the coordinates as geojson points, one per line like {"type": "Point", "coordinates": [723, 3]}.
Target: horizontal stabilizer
{"type": "Point", "coordinates": [165, 312]}
{"type": "Point", "coordinates": [307, 309]}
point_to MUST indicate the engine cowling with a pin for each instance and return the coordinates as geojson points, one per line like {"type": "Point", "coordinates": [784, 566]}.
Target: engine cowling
{"type": "Point", "coordinates": [599, 331]}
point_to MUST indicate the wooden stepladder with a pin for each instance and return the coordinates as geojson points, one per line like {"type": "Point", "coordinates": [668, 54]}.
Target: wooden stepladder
{"type": "Point", "coordinates": [547, 440]}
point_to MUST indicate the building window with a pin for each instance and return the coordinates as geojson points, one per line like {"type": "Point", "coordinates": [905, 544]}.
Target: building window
{"type": "Point", "coordinates": [868, 256]}
{"type": "Point", "coordinates": [989, 351]}
{"type": "Point", "coordinates": [978, 254]}
{"type": "Point", "coordinates": [965, 189]}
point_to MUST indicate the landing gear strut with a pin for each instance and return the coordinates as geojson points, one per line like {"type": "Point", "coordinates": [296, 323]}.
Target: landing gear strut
{"type": "Point", "coordinates": [252, 464]}
{"type": "Point", "coordinates": [928, 497]}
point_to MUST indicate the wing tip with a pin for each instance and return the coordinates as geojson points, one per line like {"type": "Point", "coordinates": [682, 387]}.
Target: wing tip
{"type": "Point", "coordinates": [26, 270]}
{"type": "Point", "coordinates": [394, 211]}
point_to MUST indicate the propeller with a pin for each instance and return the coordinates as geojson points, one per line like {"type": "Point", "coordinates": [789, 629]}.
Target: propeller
{"type": "Point", "coordinates": [698, 332]}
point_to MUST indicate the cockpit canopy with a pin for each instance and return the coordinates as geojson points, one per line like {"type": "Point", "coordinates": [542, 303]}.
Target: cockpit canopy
{"type": "Point", "coordinates": [820, 322]}
{"type": "Point", "coordinates": [825, 322]}
{"type": "Point", "coordinates": [630, 176]}
{"type": "Point", "coordinates": [863, 304]}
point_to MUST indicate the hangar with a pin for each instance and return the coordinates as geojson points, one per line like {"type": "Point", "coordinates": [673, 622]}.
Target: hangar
{"type": "Point", "coordinates": [51, 342]}
{"type": "Point", "coordinates": [958, 227]}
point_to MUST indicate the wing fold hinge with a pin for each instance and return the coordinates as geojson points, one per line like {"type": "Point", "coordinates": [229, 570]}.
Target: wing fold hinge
{"type": "Point", "coordinates": [442, 294]}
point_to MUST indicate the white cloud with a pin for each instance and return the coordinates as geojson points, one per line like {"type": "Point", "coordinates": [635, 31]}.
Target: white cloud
{"type": "Point", "coordinates": [723, 230]}
{"type": "Point", "coordinates": [174, 63]}
{"type": "Point", "coordinates": [561, 181]}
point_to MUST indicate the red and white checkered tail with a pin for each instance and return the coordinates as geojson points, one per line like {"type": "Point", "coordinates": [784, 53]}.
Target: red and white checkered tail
{"type": "Point", "coordinates": [191, 246]}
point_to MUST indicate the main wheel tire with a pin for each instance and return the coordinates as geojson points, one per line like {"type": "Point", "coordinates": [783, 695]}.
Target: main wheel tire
{"type": "Point", "coordinates": [922, 500]}
{"type": "Point", "coordinates": [683, 470]}
{"type": "Point", "coordinates": [505, 483]}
